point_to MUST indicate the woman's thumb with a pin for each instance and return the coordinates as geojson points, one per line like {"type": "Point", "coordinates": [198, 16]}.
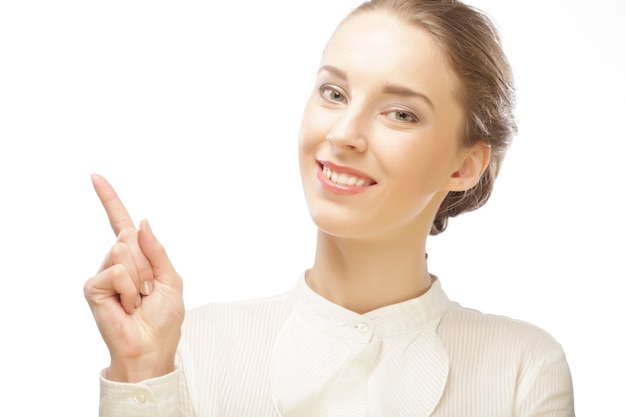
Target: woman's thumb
{"type": "Point", "coordinates": [155, 252]}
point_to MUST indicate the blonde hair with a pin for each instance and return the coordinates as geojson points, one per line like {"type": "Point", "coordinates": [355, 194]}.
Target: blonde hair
{"type": "Point", "coordinates": [473, 46]}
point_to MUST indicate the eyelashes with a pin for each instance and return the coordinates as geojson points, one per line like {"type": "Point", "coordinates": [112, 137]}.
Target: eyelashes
{"type": "Point", "coordinates": [403, 116]}
{"type": "Point", "coordinates": [335, 95]}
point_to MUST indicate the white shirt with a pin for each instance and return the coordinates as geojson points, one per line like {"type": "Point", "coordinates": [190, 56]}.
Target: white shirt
{"type": "Point", "coordinates": [300, 355]}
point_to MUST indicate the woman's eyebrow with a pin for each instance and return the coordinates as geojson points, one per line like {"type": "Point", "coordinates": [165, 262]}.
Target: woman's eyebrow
{"type": "Point", "coordinates": [335, 71]}
{"type": "Point", "coordinates": [392, 89]}
{"type": "Point", "coordinates": [399, 90]}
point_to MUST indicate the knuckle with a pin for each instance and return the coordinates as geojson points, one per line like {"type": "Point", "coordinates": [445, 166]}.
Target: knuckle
{"type": "Point", "coordinates": [118, 249]}
{"type": "Point", "coordinates": [122, 219]}
{"type": "Point", "coordinates": [126, 234]}
{"type": "Point", "coordinates": [88, 288]}
{"type": "Point", "coordinates": [118, 270]}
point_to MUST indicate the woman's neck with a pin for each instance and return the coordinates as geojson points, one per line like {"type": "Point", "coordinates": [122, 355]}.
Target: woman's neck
{"type": "Point", "coordinates": [363, 275]}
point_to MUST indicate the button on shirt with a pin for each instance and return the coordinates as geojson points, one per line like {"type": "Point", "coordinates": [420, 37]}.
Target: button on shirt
{"type": "Point", "coordinates": [365, 357]}
{"type": "Point", "coordinates": [300, 355]}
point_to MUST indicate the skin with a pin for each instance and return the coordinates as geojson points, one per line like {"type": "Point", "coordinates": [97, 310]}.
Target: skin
{"type": "Point", "coordinates": [135, 297]}
{"type": "Point", "coordinates": [371, 245]}
{"type": "Point", "coordinates": [371, 242]}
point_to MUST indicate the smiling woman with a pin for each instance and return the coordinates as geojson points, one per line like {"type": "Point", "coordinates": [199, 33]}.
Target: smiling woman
{"type": "Point", "coordinates": [406, 125]}
{"type": "Point", "coordinates": [390, 112]}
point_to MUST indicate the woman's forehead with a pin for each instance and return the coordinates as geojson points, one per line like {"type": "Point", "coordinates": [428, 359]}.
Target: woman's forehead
{"type": "Point", "coordinates": [379, 46]}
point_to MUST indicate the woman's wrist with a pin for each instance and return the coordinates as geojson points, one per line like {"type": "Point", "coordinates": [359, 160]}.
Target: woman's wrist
{"type": "Point", "coordinates": [140, 369]}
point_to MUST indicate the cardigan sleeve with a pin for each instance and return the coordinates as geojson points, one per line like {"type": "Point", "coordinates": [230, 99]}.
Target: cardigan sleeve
{"type": "Point", "coordinates": [163, 397]}
{"type": "Point", "coordinates": [546, 390]}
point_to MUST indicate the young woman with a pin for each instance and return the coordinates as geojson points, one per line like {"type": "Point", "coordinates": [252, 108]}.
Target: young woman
{"type": "Point", "coordinates": [407, 125]}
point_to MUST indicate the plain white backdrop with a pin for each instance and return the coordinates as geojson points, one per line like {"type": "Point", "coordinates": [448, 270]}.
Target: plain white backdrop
{"type": "Point", "coordinates": [191, 109]}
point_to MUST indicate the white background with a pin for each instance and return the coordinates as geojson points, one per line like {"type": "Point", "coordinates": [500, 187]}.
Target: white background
{"type": "Point", "coordinates": [191, 109]}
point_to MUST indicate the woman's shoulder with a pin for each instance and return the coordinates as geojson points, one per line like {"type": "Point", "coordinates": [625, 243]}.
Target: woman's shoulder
{"type": "Point", "coordinates": [226, 317]}
{"type": "Point", "coordinates": [518, 360]}
{"type": "Point", "coordinates": [495, 333]}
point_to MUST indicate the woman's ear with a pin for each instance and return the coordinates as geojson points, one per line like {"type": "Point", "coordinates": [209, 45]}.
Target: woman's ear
{"type": "Point", "coordinates": [471, 168]}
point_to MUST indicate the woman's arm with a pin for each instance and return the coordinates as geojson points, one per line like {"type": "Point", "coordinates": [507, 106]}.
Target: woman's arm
{"type": "Point", "coordinates": [136, 300]}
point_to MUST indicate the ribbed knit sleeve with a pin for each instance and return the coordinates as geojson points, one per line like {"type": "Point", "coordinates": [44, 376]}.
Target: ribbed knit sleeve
{"type": "Point", "coordinates": [546, 390]}
{"type": "Point", "coordinates": [157, 397]}
{"type": "Point", "coordinates": [225, 355]}
{"type": "Point", "coordinates": [508, 366]}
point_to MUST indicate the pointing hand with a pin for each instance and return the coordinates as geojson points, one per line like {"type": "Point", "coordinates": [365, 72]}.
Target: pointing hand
{"type": "Point", "coordinates": [135, 297]}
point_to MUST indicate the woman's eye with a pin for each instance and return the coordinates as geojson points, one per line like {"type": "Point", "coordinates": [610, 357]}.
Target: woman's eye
{"type": "Point", "coordinates": [332, 94]}
{"type": "Point", "coordinates": [403, 116]}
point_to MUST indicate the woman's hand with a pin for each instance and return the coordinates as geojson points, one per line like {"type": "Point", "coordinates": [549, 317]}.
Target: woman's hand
{"type": "Point", "coordinates": [136, 297]}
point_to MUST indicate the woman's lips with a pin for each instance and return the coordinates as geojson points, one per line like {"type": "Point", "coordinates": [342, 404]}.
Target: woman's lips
{"type": "Point", "coordinates": [342, 180]}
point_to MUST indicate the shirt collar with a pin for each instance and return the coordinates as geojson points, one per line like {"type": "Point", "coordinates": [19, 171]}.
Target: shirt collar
{"type": "Point", "coordinates": [386, 321]}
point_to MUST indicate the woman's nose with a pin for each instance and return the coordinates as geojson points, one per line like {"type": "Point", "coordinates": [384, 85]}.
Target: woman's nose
{"type": "Point", "coordinates": [349, 133]}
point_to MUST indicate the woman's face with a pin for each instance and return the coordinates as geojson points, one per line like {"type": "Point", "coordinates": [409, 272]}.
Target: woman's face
{"type": "Point", "coordinates": [379, 141]}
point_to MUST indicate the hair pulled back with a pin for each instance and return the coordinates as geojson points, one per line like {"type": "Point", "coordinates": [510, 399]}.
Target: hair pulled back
{"type": "Point", "coordinates": [473, 47]}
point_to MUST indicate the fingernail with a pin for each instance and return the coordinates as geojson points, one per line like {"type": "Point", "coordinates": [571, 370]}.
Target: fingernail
{"type": "Point", "coordinates": [147, 287]}
{"type": "Point", "coordinates": [147, 227]}
{"type": "Point", "coordinates": [138, 301]}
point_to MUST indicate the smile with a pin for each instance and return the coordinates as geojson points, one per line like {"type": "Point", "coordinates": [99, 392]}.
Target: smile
{"type": "Point", "coordinates": [344, 179]}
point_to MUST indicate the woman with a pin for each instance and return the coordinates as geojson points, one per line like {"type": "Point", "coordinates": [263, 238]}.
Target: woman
{"type": "Point", "coordinates": [408, 122]}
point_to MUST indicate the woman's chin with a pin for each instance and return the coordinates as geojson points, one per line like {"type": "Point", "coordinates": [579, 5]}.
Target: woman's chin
{"type": "Point", "coordinates": [347, 227]}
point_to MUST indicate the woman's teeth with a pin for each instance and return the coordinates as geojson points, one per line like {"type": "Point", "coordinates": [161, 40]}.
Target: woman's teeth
{"type": "Point", "coordinates": [344, 179]}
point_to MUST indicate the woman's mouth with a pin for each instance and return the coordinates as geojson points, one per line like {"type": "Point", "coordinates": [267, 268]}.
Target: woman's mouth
{"type": "Point", "coordinates": [345, 179]}
{"type": "Point", "coordinates": [342, 180]}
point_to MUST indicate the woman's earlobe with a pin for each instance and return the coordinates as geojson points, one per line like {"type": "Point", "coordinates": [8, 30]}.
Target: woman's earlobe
{"type": "Point", "coordinates": [472, 167]}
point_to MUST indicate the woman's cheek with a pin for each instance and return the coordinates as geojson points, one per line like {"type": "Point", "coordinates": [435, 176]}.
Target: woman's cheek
{"type": "Point", "coordinates": [312, 129]}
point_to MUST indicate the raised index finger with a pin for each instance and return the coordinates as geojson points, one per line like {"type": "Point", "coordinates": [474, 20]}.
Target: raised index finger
{"type": "Point", "coordinates": [118, 215]}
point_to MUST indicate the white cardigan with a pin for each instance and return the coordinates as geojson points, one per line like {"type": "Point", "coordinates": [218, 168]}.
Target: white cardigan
{"type": "Point", "coordinates": [299, 355]}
